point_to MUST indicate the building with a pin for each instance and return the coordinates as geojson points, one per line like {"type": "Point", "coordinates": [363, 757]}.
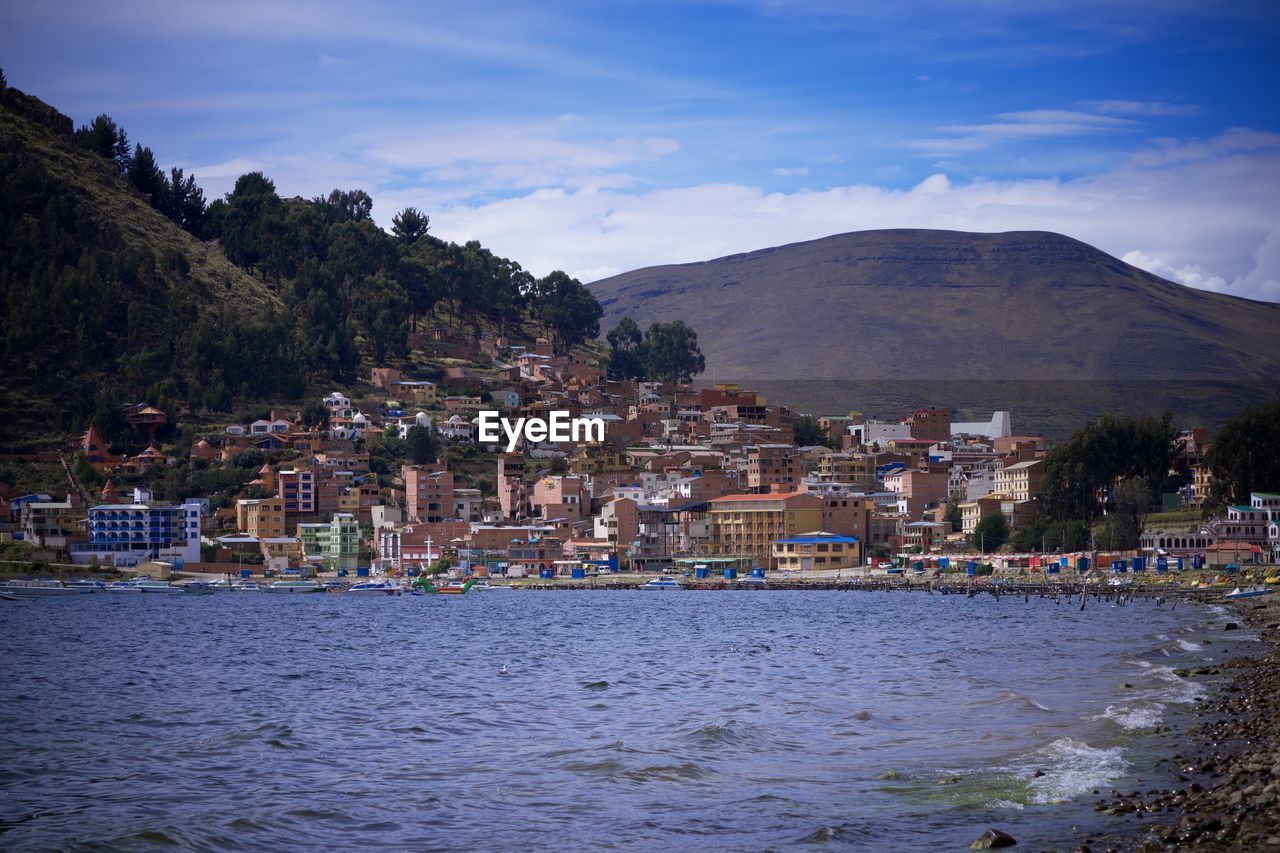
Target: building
{"type": "Point", "coordinates": [428, 492]}
{"type": "Point", "coordinates": [929, 424]}
{"type": "Point", "coordinates": [142, 531]}
{"type": "Point", "coordinates": [562, 497]}
{"type": "Point", "coordinates": [746, 526]}
{"type": "Point", "coordinates": [925, 535]}
{"type": "Point", "coordinates": [48, 523]}
{"type": "Point", "coordinates": [1000, 426]}
{"type": "Point", "coordinates": [817, 551]}
{"type": "Point", "coordinates": [261, 517]}
{"type": "Point", "coordinates": [336, 544]}
{"type": "Point", "coordinates": [1020, 481]}
{"type": "Point", "coordinates": [298, 489]}
{"type": "Point", "coordinates": [770, 465]}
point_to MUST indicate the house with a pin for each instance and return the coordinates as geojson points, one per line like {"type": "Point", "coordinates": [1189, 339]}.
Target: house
{"type": "Point", "coordinates": [338, 404]}
{"type": "Point", "coordinates": [817, 551]}
{"type": "Point", "coordinates": [505, 398]}
{"type": "Point", "coordinates": [925, 535]}
{"type": "Point", "coordinates": [419, 391]}
{"type": "Point", "coordinates": [96, 450]}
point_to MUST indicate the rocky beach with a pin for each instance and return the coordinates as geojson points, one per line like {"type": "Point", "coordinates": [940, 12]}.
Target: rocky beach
{"type": "Point", "coordinates": [1224, 778]}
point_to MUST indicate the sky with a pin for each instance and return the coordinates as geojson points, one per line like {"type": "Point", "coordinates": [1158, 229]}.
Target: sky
{"type": "Point", "coordinates": [600, 137]}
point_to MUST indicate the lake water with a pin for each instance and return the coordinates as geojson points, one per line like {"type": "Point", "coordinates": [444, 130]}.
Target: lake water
{"type": "Point", "coordinates": [632, 720]}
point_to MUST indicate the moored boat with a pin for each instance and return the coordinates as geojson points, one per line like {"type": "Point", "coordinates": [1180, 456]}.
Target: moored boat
{"type": "Point", "coordinates": [155, 586]}
{"type": "Point", "coordinates": [381, 587]}
{"type": "Point", "coordinates": [663, 583]}
{"type": "Point", "coordinates": [1249, 592]}
{"type": "Point", "coordinates": [42, 587]}
{"type": "Point", "coordinates": [293, 586]}
{"type": "Point", "coordinates": [87, 584]}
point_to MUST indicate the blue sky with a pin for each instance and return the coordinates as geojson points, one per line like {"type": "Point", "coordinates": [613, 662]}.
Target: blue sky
{"type": "Point", "coordinates": [600, 137]}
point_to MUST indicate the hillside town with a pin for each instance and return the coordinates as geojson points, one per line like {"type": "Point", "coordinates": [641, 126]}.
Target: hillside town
{"type": "Point", "coordinates": [684, 476]}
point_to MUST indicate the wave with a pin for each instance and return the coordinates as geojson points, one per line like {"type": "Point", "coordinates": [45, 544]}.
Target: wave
{"type": "Point", "coordinates": [1072, 767]}
{"type": "Point", "coordinates": [1133, 717]}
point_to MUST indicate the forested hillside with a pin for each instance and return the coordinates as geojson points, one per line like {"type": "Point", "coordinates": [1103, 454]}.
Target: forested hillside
{"type": "Point", "coordinates": [120, 283]}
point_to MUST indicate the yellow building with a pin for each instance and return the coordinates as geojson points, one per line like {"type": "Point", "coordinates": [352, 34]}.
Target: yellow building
{"type": "Point", "coordinates": [748, 525]}
{"type": "Point", "coordinates": [813, 551]}
{"type": "Point", "coordinates": [262, 517]}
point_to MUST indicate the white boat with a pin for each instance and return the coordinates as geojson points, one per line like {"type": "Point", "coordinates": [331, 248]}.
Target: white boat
{"type": "Point", "coordinates": [41, 587]}
{"type": "Point", "coordinates": [153, 586]}
{"type": "Point", "coordinates": [198, 588]}
{"type": "Point", "coordinates": [1249, 592]}
{"type": "Point", "coordinates": [660, 583]}
{"type": "Point", "coordinates": [381, 587]}
{"type": "Point", "coordinates": [130, 585]}
{"type": "Point", "coordinates": [293, 586]}
{"type": "Point", "coordinates": [480, 586]}
{"type": "Point", "coordinates": [87, 584]}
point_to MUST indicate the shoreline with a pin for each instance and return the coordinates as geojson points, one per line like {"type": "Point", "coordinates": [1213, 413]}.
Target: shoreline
{"type": "Point", "coordinates": [1223, 784]}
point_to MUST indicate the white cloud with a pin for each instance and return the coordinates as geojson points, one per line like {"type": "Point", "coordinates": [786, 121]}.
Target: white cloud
{"type": "Point", "coordinates": [791, 171]}
{"type": "Point", "coordinates": [1143, 108]}
{"type": "Point", "coordinates": [1019, 126]}
{"type": "Point", "coordinates": [1210, 220]}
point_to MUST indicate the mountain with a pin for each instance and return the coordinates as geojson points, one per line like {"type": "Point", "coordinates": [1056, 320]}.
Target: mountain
{"type": "Point", "coordinates": [119, 284]}
{"type": "Point", "coordinates": [99, 289]}
{"type": "Point", "coordinates": [920, 304]}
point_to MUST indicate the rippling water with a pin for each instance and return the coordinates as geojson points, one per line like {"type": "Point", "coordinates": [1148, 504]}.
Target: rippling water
{"type": "Point", "coordinates": [631, 720]}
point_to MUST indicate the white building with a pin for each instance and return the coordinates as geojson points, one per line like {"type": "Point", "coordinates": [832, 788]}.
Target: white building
{"type": "Point", "coordinates": [1000, 426]}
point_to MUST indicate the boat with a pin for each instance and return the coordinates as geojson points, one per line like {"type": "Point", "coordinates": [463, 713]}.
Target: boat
{"type": "Point", "coordinates": [661, 583]}
{"type": "Point", "coordinates": [382, 587]}
{"type": "Point", "coordinates": [294, 586]}
{"type": "Point", "coordinates": [154, 586]}
{"type": "Point", "coordinates": [1249, 592]}
{"type": "Point", "coordinates": [87, 584]}
{"type": "Point", "coordinates": [5, 596]}
{"type": "Point", "coordinates": [246, 586]}
{"type": "Point", "coordinates": [458, 587]}
{"type": "Point", "coordinates": [40, 587]}
{"type": "Point", "coordinates": [198, 588]}
{"type": "Point", "coordinates": [130, 585]}
{"type": "Point", "coordinates": [480, 586]}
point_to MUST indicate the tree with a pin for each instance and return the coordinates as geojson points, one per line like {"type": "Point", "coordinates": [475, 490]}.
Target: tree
{"type": "Point", "coordinates": [409, 225]}
{"type": "Point", "coordinates": [350, 205]}
{"type": "Point", "coordinates": [807, 432]}
{"type": "Point", "coordinates": [146, 178]}
{"type": "Point", "coordinates": [991, 532]}
{"type": "Point", "coordinates": [1132, 499]}
{"type": "Point", "coordinates": [626, 350]}
{"type": "Point", "coordinates": [952, 515]}
{"type": "Point", "coordinates": [107, 139]}
{"type": "Point", "coordinates": [568, 310]}
{"type": "Point", "coordinates": [316, 415]}
{"type": "Point", "coordinates": [1245, 454]}
{"type": "Point", "coordinates": [423, 443]}
{"type": "Point", "coordinates": [186, 202]}
{"type": "Point", "coordinates": [1080, 473]}
{"type": "Point", "coordinates": [671, 352]}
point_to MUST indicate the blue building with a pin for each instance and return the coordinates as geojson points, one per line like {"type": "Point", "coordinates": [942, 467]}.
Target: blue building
{"type": "Point", "coordinates": [138, 532]}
